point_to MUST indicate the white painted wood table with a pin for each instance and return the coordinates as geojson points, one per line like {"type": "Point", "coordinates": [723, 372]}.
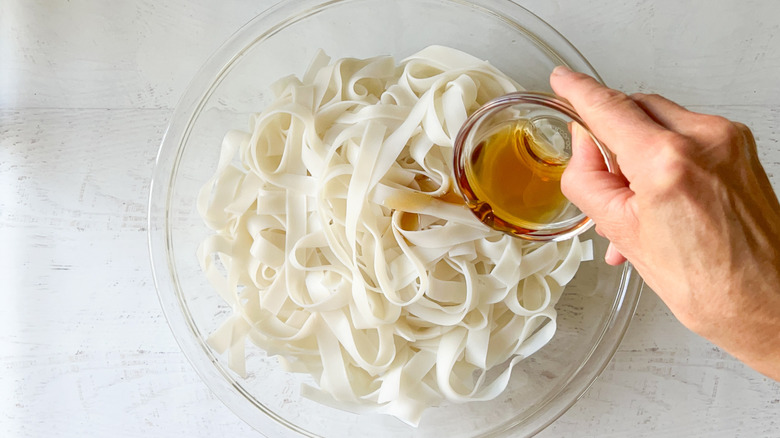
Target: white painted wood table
{"type": "Point", "coordinates": [86, 90]}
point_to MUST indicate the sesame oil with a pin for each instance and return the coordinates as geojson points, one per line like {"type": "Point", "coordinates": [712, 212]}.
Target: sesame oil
{"type": "Point", "coordinates": [515, 176]}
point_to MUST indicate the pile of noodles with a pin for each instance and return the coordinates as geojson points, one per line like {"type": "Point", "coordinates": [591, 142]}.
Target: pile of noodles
{"type": "Point", "coordinates": [343, 250]}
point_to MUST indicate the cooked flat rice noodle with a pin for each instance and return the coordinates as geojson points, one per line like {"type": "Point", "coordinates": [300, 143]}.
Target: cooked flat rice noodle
{"type": "Point", "coordinates": [340, 247]}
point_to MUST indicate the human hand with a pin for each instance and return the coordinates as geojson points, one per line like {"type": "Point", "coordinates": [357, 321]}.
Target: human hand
{"type": "Point", "coordinates": [693, 211]}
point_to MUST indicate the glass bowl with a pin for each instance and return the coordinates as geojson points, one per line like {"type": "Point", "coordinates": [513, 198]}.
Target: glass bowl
{"type": "Point", "coordinates": [593, 313]}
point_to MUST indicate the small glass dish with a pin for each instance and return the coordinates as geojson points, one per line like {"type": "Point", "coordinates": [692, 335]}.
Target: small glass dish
{"type": "Point", "coordinates": [509, 158]}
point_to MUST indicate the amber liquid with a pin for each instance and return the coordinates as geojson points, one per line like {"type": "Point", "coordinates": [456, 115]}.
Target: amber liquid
{"type": "Point", "coordinates": [515, 179]}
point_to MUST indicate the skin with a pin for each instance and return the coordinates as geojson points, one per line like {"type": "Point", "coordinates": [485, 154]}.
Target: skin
{"type": "Point", "coordinates": [693, 211]}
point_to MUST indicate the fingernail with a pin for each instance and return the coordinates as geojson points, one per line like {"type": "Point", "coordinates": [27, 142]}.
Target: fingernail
{"type": "Point", "coordinates": [613, 256]}
{"type": "Point", "coordinates": [561, 70]}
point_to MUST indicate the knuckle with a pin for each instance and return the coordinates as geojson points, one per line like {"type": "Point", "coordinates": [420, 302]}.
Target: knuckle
{"type": "Point", "coordinates": [715, 140]}
{"type": "Point", "coordinates": [712, 128]}
{"type": "Point", "coordinates": [673, 146]}
{"type": "Point", "coordinates": [726, 140]}
{"type": "Point", "coordinates": [672, 162]}
{"type": "Point", "coordinates": [724, 128]}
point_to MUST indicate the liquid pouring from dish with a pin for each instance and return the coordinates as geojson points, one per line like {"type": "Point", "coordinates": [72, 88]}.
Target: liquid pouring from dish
{"type": "Point", "coordinates": [509, 158]}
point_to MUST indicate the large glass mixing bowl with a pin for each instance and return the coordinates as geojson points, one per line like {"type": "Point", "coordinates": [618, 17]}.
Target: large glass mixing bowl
{"type": "Point", "coordinates": [594, 311]}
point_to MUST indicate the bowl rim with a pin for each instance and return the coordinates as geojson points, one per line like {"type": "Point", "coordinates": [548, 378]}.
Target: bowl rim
{"type": "Point", "coordinates": [183, 118]}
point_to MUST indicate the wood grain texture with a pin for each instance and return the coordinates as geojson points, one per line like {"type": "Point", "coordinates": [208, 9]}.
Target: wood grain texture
{"type": "Point", "coordinates": [86, 90]}
{"type": "Point", "coordinates": [700, 52]}
{"type": "Point", "coordinates": [115, 54]}
{"type": "Point", "coordinates": [85, 349]}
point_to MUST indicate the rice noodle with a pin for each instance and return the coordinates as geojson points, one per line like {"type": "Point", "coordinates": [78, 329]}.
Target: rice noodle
{"type": "Point", "coordinates": [341, 247]}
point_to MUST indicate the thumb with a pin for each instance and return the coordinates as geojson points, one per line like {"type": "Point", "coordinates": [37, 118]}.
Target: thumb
{"type": "Point", "coordinates": [603, 196]}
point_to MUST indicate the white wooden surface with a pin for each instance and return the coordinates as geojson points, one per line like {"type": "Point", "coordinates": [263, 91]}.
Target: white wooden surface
{"type": "Point", "coordinates": [86, 90]}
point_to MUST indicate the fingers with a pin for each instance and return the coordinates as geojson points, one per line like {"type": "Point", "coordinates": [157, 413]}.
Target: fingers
{"type": "Point", "coordinates": [612, 116]}
{"type": "Point", "coordinates": [590, 186]}
{"type": "Point", "coordinates": [613, 256]}
{"type": "Point", "coordinates": [585, 153]}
